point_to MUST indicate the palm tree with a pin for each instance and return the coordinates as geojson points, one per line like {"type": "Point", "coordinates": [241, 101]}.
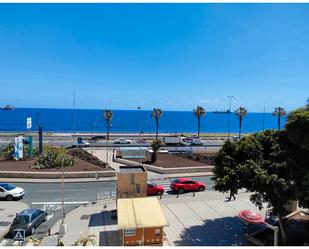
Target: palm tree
{"type": "Point", "coordinates": [241, 113]}
{"type": "Point", "coordinates": [108, 116]}
{"type": "Point", "coordinates": [155, 145]}
{"type": "Point", "coordinates": [279, 112]}
{"type": "Point", "coordinates": [157, 113]}
{"type": "Point", "coordinates": [199, 112]}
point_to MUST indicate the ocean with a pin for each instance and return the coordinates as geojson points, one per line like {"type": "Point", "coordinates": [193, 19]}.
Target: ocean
{"type": "Point", "coordinates": [125, 121]}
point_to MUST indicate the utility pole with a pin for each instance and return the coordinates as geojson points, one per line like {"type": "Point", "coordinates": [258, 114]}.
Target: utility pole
{"type": "Point", "coordinates": [229, 122]}
{"type": "Point", "coordinates": [140, 133]}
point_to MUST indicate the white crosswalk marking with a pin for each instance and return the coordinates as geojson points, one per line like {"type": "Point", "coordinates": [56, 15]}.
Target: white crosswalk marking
{"type": "Point", "coordinates": [165, 184]}
{"type": "Point", "coordinates": [49, 216]}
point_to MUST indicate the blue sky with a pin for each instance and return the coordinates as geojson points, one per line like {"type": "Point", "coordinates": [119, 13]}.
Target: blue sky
{"type": "Point", "coordinates": [171, 56]}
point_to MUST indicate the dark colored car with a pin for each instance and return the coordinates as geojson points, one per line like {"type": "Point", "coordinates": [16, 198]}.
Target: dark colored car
{"type": "Point", "coordinates": [181, 185]}
{"type": "Point", "coordinates": [154, 189]}
{"type": "Point", "coordinates": [28, 220]}
{"type": "Point", "coordinates": [97, 137]}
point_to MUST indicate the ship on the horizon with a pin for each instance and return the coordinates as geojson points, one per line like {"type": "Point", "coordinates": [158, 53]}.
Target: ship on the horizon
{"type": "Point", "coordinates": [8, 108]}
{"type": "Point", "coordinates": [222, 111]}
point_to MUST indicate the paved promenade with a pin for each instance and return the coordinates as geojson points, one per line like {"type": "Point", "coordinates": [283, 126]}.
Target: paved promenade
{"type": "Point", "coordinates": [205, 219]}
{"type": "Point", "coordinates": [8, 210]}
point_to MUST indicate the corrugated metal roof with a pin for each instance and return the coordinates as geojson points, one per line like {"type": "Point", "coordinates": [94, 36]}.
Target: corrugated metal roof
{"type": "Point", "coordinates": [140, 212]}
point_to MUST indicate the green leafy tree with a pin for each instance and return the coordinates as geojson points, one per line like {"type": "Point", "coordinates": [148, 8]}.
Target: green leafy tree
{"type": "Point", "coordinates": [241, 112]}
{"type": "Point", "coordinates": [199, 112]}
{"type": "Point", "coordinates": [262, 164]}
{"type": "Point", "coordinates": [108, 116]}
{"type": "Point", "coordinates": [279, 112]}
{"type": "Point", "coordinates": [297, 126]}
{"type": "Point", "coordinates": [155, 145]}
{"type": "Point", "coordinates": [157, 114]}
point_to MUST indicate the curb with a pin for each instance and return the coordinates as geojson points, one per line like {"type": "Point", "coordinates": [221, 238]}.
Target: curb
{"type": "Point", "coordinates": [106, 179]}
{"type": "Point", "coordinates": [72, 180]}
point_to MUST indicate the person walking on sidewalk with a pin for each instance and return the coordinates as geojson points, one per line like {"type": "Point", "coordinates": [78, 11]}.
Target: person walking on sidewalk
{"type": "Point", "coordinates": [233, 191]}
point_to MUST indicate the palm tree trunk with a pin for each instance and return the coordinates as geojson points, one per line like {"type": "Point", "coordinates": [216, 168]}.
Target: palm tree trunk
{"type": "Point", "coordinates": [240, 123]}
{"type": "Point", "coordinates": [279, 122]}
{"type": "Point", "coordinates": [107, 135]}
{"type": "Point", "coordinates": [157, 123]}
{"type": "Point", "coordinates": [198, 126]}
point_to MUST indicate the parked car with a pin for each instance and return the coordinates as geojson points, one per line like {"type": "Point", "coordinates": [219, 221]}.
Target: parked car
{"type": "Point", "coordinates": [154, 189]}
{"type": "Point", "coordinates": [236, 138]}
{"type": "Point", "coordinates": [197, 141]}
{"type": "Point", "coordinates": [97, 137]}
{"type": "Point", "coordinates": [81, 143]}
{"type": "Point", "coordinates": [10, 192]}
{"type": "Point", "coordinates": [122, 141]}
{"type": "Point", "coordinates": [28, 220]}
{"type": "Point", "coordinates": [181, 185]}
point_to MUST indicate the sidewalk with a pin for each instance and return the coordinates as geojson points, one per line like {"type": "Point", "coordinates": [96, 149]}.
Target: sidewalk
{"type": "Point", "coordinates": [89, 219]}
{"type": "Point", "coordinates": [8, 210]}
{"type": "Point", "coordinates": [205, 219]}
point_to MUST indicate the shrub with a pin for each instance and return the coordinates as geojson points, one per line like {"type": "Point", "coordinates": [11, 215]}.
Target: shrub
{"type": "Point", "coordinates": [53, 158]}
{"type": "Point", "coordinates": [6, 152]}
{"type": "Point", "coordinates": [86, 156]}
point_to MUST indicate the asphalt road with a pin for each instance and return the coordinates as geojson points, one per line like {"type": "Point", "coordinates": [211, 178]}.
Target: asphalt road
{"type": "Point", "coordinates": [47, 196]}
{"type": "Point", "coordinates": [67, 141]}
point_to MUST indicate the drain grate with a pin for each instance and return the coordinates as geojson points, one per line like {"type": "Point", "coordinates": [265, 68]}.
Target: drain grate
{"type": "Point", "coordinates": [2, 209]}
{"type": "Point", "coordinates": [4, 223]}
{"type": "Point", "coordinates": [85, 217]}
{"type": "Point", "coordinates": [11, 215]}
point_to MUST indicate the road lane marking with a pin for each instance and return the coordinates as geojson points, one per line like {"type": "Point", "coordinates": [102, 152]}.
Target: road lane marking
{"type": "Point", "coordinates": [4, 242]}
{"type": "Point", "coordinates": [59, 202]}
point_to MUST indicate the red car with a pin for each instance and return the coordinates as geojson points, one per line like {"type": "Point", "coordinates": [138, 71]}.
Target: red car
{"type": "Point", "coordinates": [154, 189]}
{"type": "Point", "coordinates": [181, 185]}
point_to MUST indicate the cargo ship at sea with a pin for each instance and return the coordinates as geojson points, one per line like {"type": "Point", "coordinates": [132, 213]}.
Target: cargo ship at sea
{"type": "Point", "coordinates": [8, 108]}
{"type": "Point", "coordinates": [222, 111]}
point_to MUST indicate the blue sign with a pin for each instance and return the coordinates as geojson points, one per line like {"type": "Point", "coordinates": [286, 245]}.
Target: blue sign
{"type": "Point", "coordinates": [19, 235]}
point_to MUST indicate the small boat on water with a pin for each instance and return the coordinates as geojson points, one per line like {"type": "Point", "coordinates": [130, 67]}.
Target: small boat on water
{"type": "Point", "coordinates": [222, 111]}
{"type": "Point", "coordinates": [8, 108]}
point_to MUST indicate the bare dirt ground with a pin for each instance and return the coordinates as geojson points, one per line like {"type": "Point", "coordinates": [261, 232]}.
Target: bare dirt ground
{"type": "Point", "coordinates": [172, 161]}
{"type": "Point", "coordinates": [25, 165]}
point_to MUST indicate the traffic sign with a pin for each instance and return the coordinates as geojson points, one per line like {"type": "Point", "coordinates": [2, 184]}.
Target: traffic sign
{"type": "Point", "coordinates": [19, 234]}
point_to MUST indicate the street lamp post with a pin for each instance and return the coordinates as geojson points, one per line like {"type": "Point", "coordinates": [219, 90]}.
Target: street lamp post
{"type": "Point", "coordinates": [74, 117]}
{"type": "Point", "coordinates": [229, 122]}
{"type": "Point", "coordinates": [92, 126]}
{"type": "Point", "coordinates": [63, 226]}
{"type": "Point", "coordinates": [140, 131]}
{"type": "Point", "coordinates": [264, 119]}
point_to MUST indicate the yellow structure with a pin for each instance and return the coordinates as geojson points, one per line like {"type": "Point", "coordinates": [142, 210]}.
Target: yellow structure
{"type": "Point", "coordinates": [140, 221]}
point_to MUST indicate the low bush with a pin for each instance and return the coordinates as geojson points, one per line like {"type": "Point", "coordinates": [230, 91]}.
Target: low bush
{"type": "Point", "coordinates": [53, 158]}
{"type": "Point", "coordinates": [84, 155]}
{"type": "Point", "coordinates": [6, 152]}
